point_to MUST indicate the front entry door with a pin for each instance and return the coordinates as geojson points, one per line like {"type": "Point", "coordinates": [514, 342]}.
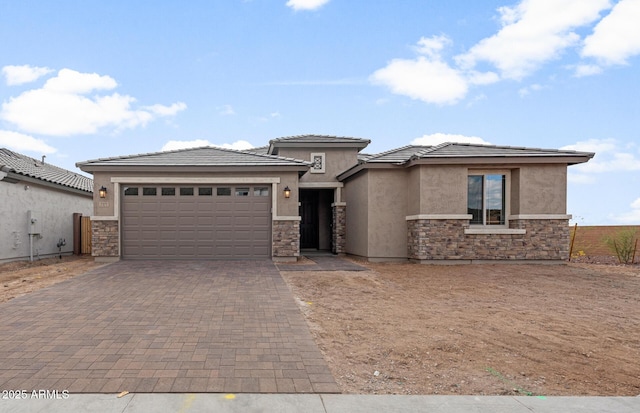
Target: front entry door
{"type": "Point", "coordinates": [309, 223]}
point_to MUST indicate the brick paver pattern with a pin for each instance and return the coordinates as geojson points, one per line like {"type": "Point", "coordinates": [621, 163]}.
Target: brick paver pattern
{"type": "Point", "coordinates": [162, 326]}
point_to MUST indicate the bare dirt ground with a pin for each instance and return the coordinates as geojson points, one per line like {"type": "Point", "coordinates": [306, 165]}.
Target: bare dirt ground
{"type": "Point", "coordinates": [477, 329]}
{"type": "Point", "coordinates": [21, 277]}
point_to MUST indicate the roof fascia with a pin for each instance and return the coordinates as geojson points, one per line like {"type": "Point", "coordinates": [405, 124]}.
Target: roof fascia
{"type": "Point", "coordinates": [500, 160]}
{"type": "Point", "coordinates": [362, 166]}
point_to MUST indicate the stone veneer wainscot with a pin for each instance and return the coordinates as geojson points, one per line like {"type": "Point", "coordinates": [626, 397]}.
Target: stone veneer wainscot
{"type": "Point", "coordinates": [445, 239]}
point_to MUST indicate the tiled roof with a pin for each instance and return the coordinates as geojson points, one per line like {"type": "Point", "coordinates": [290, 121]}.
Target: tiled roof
{"type": "Point", "coordinates": [204, 156]}
{"type": "Point", "coordinates": [455, 151]}
{"type": "Point", "coordinates": [320, 139]}
{"type": "Point", "coordinates": [397, 155]}
{"type": "Point", "coordinates": [468, 150]}
{"type": "Point", "coordinates": [260, 150]}
{"type": "Point", "coordinates": [24, 165]}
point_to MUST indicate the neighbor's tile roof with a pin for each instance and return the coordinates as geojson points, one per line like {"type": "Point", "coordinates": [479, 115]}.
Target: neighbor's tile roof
{"type": "Point", "coordinates": [24, 165]}
{"type": "Point", "coordinates": [204, 156]}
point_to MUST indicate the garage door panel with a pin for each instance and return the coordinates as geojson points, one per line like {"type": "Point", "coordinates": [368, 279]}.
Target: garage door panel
{"type": "Point", "coordinates": [195, 226]}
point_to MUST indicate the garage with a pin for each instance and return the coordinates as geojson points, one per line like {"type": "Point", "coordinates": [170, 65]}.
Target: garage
{"type": "Point", "coordinates": [196, 221]}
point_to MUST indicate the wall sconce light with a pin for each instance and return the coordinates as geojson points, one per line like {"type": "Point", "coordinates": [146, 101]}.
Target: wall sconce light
{"type": "Point", "coordinates": [287, 192]}
{"type": "Point", "coordinates": [103, 192]}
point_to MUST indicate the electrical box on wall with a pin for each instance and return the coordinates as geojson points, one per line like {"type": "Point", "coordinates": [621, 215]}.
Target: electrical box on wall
{"type": "Point", "coordinates": [34, 223]}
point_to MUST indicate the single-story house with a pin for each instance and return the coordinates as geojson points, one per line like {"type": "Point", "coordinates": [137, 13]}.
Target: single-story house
{"type": "Point", "coordinates": [38, 203]}
{"type": "Point", "coordinates": [439, 203]}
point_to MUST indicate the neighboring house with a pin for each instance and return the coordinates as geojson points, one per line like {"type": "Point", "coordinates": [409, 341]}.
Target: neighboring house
{"type": "Point", "coordinates": [429, 204]}
{"type": "Point", "coordinates": [38, 201]}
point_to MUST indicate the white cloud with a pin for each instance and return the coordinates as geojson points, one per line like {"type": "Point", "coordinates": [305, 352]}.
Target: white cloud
{"type": "Point", "coordinates": [306, 4]}
{"type": "Point", "coordinates": [587, 70]}
{"type": "Point", "coordinates": [197, 143]}
{"type": "Point", "coordinates": [17, 75]}
{"type": "Point", "coordinates": [630, 217]}
{"type": "Point", "coordinates": [23, 143]}
{"type": "Point", "coordinates": [438, 138]}
{"type": "Point", "coordinates": [60, 107]}
{"type": "Point", "coordinates": [427, 78]}
{"type": "Point", "coordinates": [528, 89]}
{"type": "Point", "coordinates": [226, 110]}
{"type": "Point", "coordinates": [533, 32]}
{"type": "Point", "coordinates": [432, 81]}
{"type": "Point", "coordinates": [617, 36]}
{"type": "Point", "coordinates": [610, 156]}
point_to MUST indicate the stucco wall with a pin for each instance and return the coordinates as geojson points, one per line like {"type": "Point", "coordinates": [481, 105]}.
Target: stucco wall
{"type": "Point", "coordinates": [55, 209]}
{"type": "Point", "coordinates": [356, 197]}
{"type": "Point", "coordinates": [443, 189]}
{"type": "Point", "coordinates": [336, 161]}
{"type": "Point", "coordinates": [387, 212]}
{"type": "Point", "coordinates": [542, 189]}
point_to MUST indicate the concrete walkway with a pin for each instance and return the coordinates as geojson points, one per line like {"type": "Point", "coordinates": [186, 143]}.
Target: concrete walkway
{"type": "Point", "coordinates": [162, 326]}
{"type": "Point", "coordinates": [327, 403]}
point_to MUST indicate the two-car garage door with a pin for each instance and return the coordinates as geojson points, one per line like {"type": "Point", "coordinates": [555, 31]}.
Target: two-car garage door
{"type": "Point", "coordinates": [196, 221]}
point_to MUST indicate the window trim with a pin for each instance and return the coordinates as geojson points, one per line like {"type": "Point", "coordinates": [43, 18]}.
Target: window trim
{"type": "Point", "coordinates": [507, 198]}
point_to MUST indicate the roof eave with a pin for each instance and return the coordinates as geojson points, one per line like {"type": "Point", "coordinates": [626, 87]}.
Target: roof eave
{"type": "Point", "coordinates": [500, 160]}
{"type": "Point", "coordinates": [91, 168]}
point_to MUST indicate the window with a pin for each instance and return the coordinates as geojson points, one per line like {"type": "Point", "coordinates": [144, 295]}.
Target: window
{"type": "Point", "coordinates": [486, 200]}
{"type": "Point", "coordinates": [168, 191]}
{"type": "Point", "coordinates": [260, 191]}
{"type": "Point", "coordinates": [131, 191]}
{"type": "Point", "coordinates": [149, 191]}
{"type": "Point", "coordinates": [242, 191]}
{"type": "Point", "coordinates": [205, 191]}
{"type": "Point", "coordinates": [223, 191]}
{"type": "Point", "coordinates": [186, 191]}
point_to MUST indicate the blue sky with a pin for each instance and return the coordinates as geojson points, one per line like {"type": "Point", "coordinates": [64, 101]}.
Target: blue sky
{"type": "Point", "coordinates": [87, 79]}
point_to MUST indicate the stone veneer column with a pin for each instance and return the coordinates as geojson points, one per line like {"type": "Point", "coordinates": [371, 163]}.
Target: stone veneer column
{"type": "Point", "coordinates": [104, 238]}
{"type": "Point", "coordinates": [285, 239]}
{"type": "Point", "coordinates": [339, 228]}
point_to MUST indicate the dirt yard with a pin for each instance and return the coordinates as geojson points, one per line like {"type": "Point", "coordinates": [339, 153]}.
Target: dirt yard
{"type": "Point", "coordinates": [482, 329]}
{"type": "Point", "coordinates": [20, 277]}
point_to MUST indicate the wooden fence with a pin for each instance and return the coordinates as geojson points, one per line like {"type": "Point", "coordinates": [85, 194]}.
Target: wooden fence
{"type": "Point", "coordinates": [85, 235]}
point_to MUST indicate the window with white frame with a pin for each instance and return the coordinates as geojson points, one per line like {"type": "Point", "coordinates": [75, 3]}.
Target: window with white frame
{"type": "Point", "coordinates": [486, 198]}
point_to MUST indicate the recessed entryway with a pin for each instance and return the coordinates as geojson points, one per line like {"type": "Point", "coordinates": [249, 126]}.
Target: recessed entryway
{"type": "Point", "coordinates": [316, 219]}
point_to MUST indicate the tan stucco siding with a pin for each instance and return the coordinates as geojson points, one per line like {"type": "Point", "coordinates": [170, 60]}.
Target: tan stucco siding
{"type": "Point", "coordinates": [286, 207]}
{"type": "Point", "coordinates": [443, 189]}
{"type": "Point", "coordinates": [541, 189]}
{"type": "Point", "coordinates": [387, 212]}
{"type": "Point", "coordinates": [413, 191]}
{"type": "Point", "coordinates": [336, 161]}
{"type": "Point", "coordinates": [355, 195]}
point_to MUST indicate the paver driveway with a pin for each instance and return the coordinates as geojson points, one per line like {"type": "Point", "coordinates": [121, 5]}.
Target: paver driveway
{"type": "Point", "coordinates": [158, 326]}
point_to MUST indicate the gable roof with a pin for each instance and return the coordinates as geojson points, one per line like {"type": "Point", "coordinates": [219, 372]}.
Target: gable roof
{"type": "Point", "coordinates": [317, 141]}
{"type": "Point", "coordinates": [29, 167]}
{"type": "Point", "coordinates": [203, 156]}
{"type": "Point", "coordinates": [467, 153]}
